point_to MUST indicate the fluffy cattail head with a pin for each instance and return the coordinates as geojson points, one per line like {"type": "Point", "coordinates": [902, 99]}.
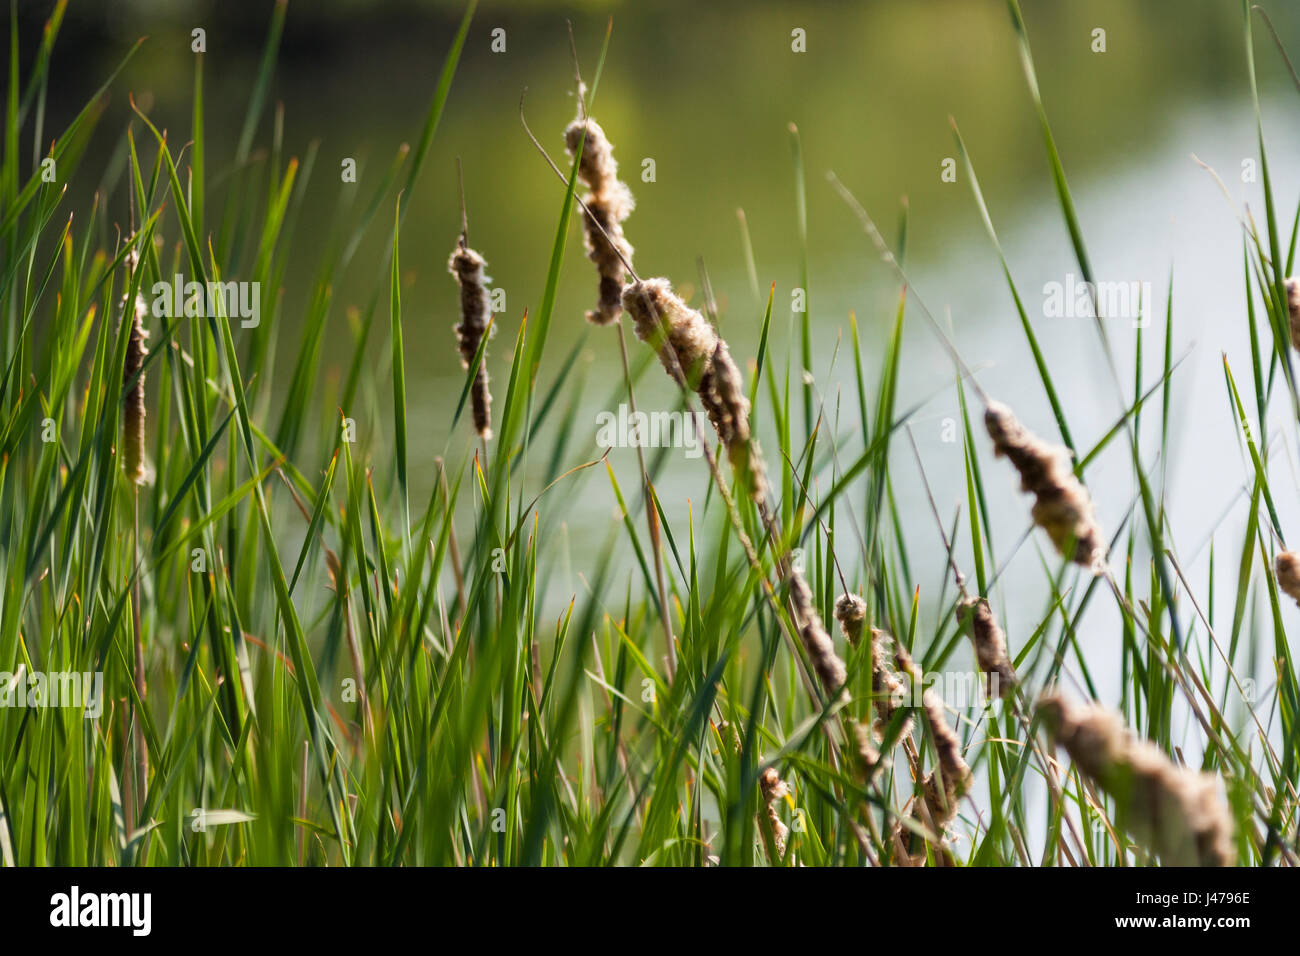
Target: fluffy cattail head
{"type": "Point", "coordinates": [851, 612]}
{"type": "Point", "coordinates": [866, 755]}
{"type": "Point", "coordinates": [887, 691]}
{"type": "Point", "coordinates": [662, 320]}
{"type": "Point", "coordinates": [608, 249]}
{"type": "Point", "coordinates": [941, 796]}
{"type": "Point", "coordinates": [1173, 811]}
{"type": "Point", "coordinates": [1062, 507]}
{"type": "Point", "coordinates": [1287, 566]}
{"type": "Point", "coordinates": [597, 168]}
{"type": "Point", "coordinates": [608, 204]}
{"type": "Point", "coordinates": [990, 648]}
{"type": "Point", "coordinates": [774, 789]}
{"type": "Point", "coordinates": [687, 345]}
{"type": "Point", "coordinates": [722, 394]}
{"type": "Point", "coordinates": [821, 649]}
{"type": "Point", "coordinates": [133, 409]}
{"type": "Point", "coordinates": [468, 268]}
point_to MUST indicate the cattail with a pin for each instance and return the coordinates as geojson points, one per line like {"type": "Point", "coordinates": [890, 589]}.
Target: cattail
{"type": "Point", "coordinates": [887, 690]}
{"type": "Point", "coordinates": [467, 266]}
{"type": "Point", "coordinates": [990, 648]}
{"type": "Point", "coordinates": [729, 736]}
{"type": "Point", "coordinates": [1062, 507]}
{"type": "Point", "coordinates": [866, 753]}
{"type": "Point", "coordinates": [609, 203]}
{"type": "Point", "coordinates": [821, 650]}
{"type": "Point", "coordinates": [1174, 811]}
{"type": "Point", "coordinates": [598, 168]}
{"type": "Point", "coordinates": [607, 247]}
{"type": "Point", "coordinates": [851, 612]}
{"type": "Point", "coordinates": [941, 795]}
{"type": "Point", "coordinates": [1287, 567]}
{"type": "Point", "coordinates": [1293, 308]}
{"type": "Point", "coordinates": [686, 341]}
{"type": "Point", "coordinates": [133, 411]}
{"type": "Point", "coordinates": [774, 789]}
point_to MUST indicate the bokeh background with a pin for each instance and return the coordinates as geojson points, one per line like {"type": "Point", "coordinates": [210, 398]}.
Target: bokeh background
{"type": "Point", "coordinates": [708, 90]}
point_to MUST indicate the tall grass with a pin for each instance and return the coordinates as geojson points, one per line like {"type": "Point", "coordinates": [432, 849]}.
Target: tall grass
{"type": "Point", "coordinates": [335, 671]}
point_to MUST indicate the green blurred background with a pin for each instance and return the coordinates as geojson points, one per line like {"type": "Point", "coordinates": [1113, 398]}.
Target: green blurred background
{"type": "Point", "coordinates": [708, 90]}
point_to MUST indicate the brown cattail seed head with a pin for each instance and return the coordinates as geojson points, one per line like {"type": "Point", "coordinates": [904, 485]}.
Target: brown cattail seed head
{"type": "Point", "coordinates": [1062, 507]}
{"type": "Point", "coordinates": [597, 168]}
{"type": "Point", "coordinates": [990, 648]}
{"type": "Point", "coordinates": [729, 736]}
{"type": "Point", "coordinates": [608, 203]}
{"type": "Point", "coordinates": [1287, 566]}
{"type": "Point", "coordinates": [133, 410]}
{"type": "Point", "coordinates": [607, 247]}
{"type": "Point", "coordinates": [687, 345]}
{"type": "Point", "coordinates": [678, 332]}
{"type": "Point", "coordinates": [1293, 308]}
{"type": "Point", "coordinates": [954, 775]}
{"type": "Point", "coordinates": [866, 755]}
{"type": "Point", "coordinates": [723, 395]}
{"type": "Point", "coordinates": [851, 612]}
{"type": "Point", "coordinates": [1173, 811]}
{"type": "Point", "coordinates": [774, 789]}
{"type": "Point", "coordinates": [887, 690]}
{"type": "Point", "coordinates": [821, 649]}
{"type": "Point", "coordinates": [467, 266]}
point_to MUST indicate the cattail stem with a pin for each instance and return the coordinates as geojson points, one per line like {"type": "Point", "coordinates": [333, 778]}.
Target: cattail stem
{"type": "Point", "coordinates": [727, 398]}
{"type": "Point", "coordinates": [127, 786]}
{"type": "Point", "coordinates": [302, 801]}
{"type": "Point", "coordinates": [137, 471]}
{"type": "Point", "coordinates": [141, 748]}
